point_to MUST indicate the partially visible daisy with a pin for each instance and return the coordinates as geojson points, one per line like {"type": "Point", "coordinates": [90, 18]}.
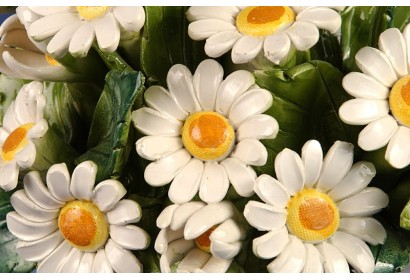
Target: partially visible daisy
{"type": "Point", "coordinates": [70, 225]}
{"type": "Point", "coordinates": [76, 28]}
{"type": "Point", "coordinates": [382, 96]}
{"type": "Point", "coordinates": [318, 213]}
{"type": "Point", "coordinates": [21, 58]}
{"type": "Point", "coordinates": [277, 30]}
{"type": "Point", "coordinates": [23, 123]}
{"type": "Point", "coordinates": [203, 132]}
{"type": "Point", "coordinates": [196, 237]}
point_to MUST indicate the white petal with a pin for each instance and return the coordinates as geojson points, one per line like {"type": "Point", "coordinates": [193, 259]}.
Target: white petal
{"type": "Point", "coordinates": [228, 231]}
{"type": "Point", "coordinates": [125, 212]}
{"type": "Point", "coordinates": [333, 260]}
{"type": "Point", "coordinates": [101, 264]}
{"type": "Point", "coordinates": [207, 78]}
{"type": "Point", "coordinates": [216, 265]}
{"type": "Point", "coordinates": [183, 213]}
{"type": "Point", "coordinates": [377, 133]}
{"type": "Point", "coordinates": [86, 263]}
{"type": "Point", "coordinates": [304, 35]}
{"type": "Point", "coordinates": [356, 252]}
{"type": "Point", "coordinates": [406, 35]}
{"type": "Point", "coordinates": [176, 251]}
{"type": "Point", "coordinates": [253, 102]}
{"type": "Point", "coordinates": [82, 40]}
{"type": "Point", "coordinates": [360, 111]}
{"type": "Point", "coordinates": [50, 10]}
{"type": "Point", "coordinates": [290, 171]}
{"type": "Point", "coordinates": [368, 202]}
{"type": "Point", "coordinates": [291, 259]}
{"type": "Point", "coordinates": [161, 100]}
{"type": "Point", "coordinates": [263, 216]}
{"type": "Point", "coordinates": [151, 122]}
{"type": "Point", "coordinates": [71, 262]}
{"type": "Point", "coordinates": [246, 49]}
{"type": "Point", "coordinates": [271, 191]}
{"type": "Point", "coordinates": [10, 121]}
{"type": "Point", "coordinates": [53, 261]}
{"type": "Point", "coordinates": [241, 176]}
{"type": "Point", "coordinates": [251, 152]}
{"type": "Point", "coordinates": [258, 127]}
{"type": "Point", "coordinates": [186, 183]}
{"type": "Point", "coordinates": [121, 260]}
{"type": "Point", "coordinates": [61, 40]}
{"type": "Point", "coordinates": [225, 250]}
{"type": "Point", "coordinates": [3, 135]}
{"type": "Point", "coordinates": [322, 17]}
{"type": "Point", "coordinates": [38, 192]}
{"type": "Point", "coordinates": [38, 130]}
{"type": "Point", "coordinates": [376, 64]}
{"type": "Point", "coordinates": [180, 84]}
{"type": "Point", "coordinates": [364, 86]}
{"type": "Point", "coordinates": [366, 228]}
{"type": "Point", "coordinates": [314, 262]}
{"type": "Point", "coordinates": [166, 236]}
{"type": "Point", "coordinates": [83, 180]}
{"type": "Point", "coordinates": [165, 217]}
{"type": "Point", "coordinates": [221, 42]}
{"type": "Point", "coordinates": [107, 193]}
{"type": "Point", "coordinates": [195, 13]}
{"type": "Point", "coordinates": [195, 258]}
{"type": "Point", "coordinates": [214, 183]}
{"type": "Point", "coordinates": [58, 182]}
{"type": "Point", "coordinates": [37, 250]}
{"type": "Point", "coordinates": [26, 157]}
{"type": "Point", "coordinates": [130, 237]}
{"type": "Point", "coordinates": [107, 32]}
{"type": "Point", "coordinates": [336, 164]}
{"type": "Point", "coordinates": [205, 28]}
{"type": "Point", "coordinates": [29, 210]}
{"type": "Point", "coordinates": [398, 152]}
{"type": "Point", "coordinates": [49, 25]}
{"type": "Point", "coordinates": [393, 45]}
{"type": "Point", "coordinates": [277, 47]}
{"type": "Point", "coordinates": [130, 18]}
{"type": "Point", "coordinates": [270, 244]}
{"type": "Point", "coordinates": [9, 174]}
{"type": "Point", "coordinates": [312, 158]}
{"type": "Point", "coordinates": [27, 230]}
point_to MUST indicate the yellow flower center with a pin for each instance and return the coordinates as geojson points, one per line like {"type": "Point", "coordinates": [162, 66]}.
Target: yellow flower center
{"type": "Point", "coordinates": [50, 60]}
{"type": "Point", "coordinates": [399, 101]}
{"type": "Point", "coordinates": [208, 135]}
{"type": "Point", "coordinates": [203, 242]}
{"type": "Point", "coordinates": [92, 12]}
{"type": "Point", "coordinates": [260, 21]}
{"type": "Point", "coordinates": [83, 225]}
{"type": "Point", "coordinates": [312, 216]}
{"type": "Point", "coordinates": [15, 142]}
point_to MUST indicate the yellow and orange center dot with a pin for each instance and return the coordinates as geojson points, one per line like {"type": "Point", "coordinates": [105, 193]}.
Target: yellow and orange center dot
{"type": "Point", "coordinates": [50, 60]}
{"type": "Point", "coordinates": [203, 242]}
{"type": "Point", "coordinates": [83, 225]}
{"type": "Point", "coordinates": [399, 101]}
{"type": "Point", "coordinates": [92, 12]}
{"type": "Point", "coordinates": [15, 142]}
{"type": "Point", "coordinates": [208, 135]}
{"type": "Point", "coordinates": [260, 21]}
{"type": "Point", "coordinates": [312, 216]}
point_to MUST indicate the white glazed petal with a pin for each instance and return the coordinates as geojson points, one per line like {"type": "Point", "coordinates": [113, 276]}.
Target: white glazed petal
{"type": "Point", "coordinates": [291, 259]}
{"type": "Point", "coordinates": [361, 85]}
{"type": "Point", "coordinates": [165, 217]}
{"type": "Point", "coordinates": [38, 130]}
{"type": "Point", "coordinates": [216, 265]}
{"type": "Point", "coordinates": [241, 176]}
{"type": "Point", "coordinates": [3, 135]}
{"type": "Point", "coordinates": [205, 28]}
{"type": "Point", "coordinates": [165, 237]}
{"type": "Point", "coordinates": [398, 150]}
{"type": "Point", "coordinates": [107, 32]}
{"type": "Point", "coordinates": [49, 25]}
{"type": "Point", "coordinates": [322, 17]}
{"type": "Point", "coordinates": [258, 127]}
{"type": "Point", "coordinates": [333, 259]}
{"type": "Point", "coordinates": [263, 216]}
{"type": "Point", "coordinates": [107, 193]}
{"type": "Point", "coordinates": [221, 42]}
{"type": "Point", "coordinates": [314, 262]}
{"type": "Point", "coordinates": [27, 230]}
{"type": "Point", "coordinates": [376, 64]}
{"type": "Point", "coordinates": [101, 264]}
{"type": "Point", "coordinates": [50, 10]}
{"type": "Point", "coordinates": [26, 157]}
{"type": "Point", "coordinates": [71, 262]}
{"type": "Point", "coordinates": [360, 111]}
{"type": "Point", "coordinates": [152, 122]}
{"type": "Point", "coordinates": [130, 237]}
{"type": "Point", "coordinates": [245, 49]}
{"type": "Point", "coordinates": [393, 45]}
{"type": "Point", "coordinates": [195, 259]}
{"type": "Point", "coordinates": [336, 164]}
{"type": "Point", "coordinates": [53, 261]}
{"type": "Point", "coordinates": [82, 40]}
{"type": "Point", "coordinates": [37, 250]}
{"type": "Point", "coordinates": [160, 99]}
{"type": "Point", "coordinates": [251, 152]}
{"type": "Point", "coordinates": [290, 171]}
{"type": "Point", "coordinates": [377, 133]}
{"type": "Point", "coordinates": [225, 250]}
{"type": "Point", "coordinates": [61, 40]}
{"type": "Point", "coordinates": [130, 18]}
{"type": "Point", "coordinates": [175, 252]}
{"type": "Point", "coordinates": [356, 252]}
{"type": "Point", "coordinates": [271, 191]}
{"type": "Point", "coordinates": [86, 263]}
{"type": "Point", "coordinates": [406, 35]}
{"type": "Point", "coordinates": [228, 231]}
{"type": "Point", "coordinates": [366, 228]}
{"type": "Point", "coordinates": [156, 147]}
{"type": "Point", "coordinates": [58, 182]}
{"type": "Point", "coordinates": [214, 183]}
{"type": "Point", "coordinates": [125, 212]}
{"type": "Point", "coordinates": [223, 13]}
{"type": "Point", "coordinates": [277, 47]}
{"type": "Point", "coordinates": [183, 212]}
{"type": "Point", "coordinates": [304, 35]}
{"type": "Point", "coordinates": [83, 180]}
{"type": "Point", "coordinates": [368, 202]}
{"type": "Point", "coordinates": [121, 260]}
{"type": "Point", "coordinates": [9, 174]}
{"type": "Point", "coordinates": [270, 244]}
{"type": "Point", "coordinates": [312, 158]}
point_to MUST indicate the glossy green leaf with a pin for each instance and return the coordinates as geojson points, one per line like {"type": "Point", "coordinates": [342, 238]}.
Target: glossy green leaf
{"type": "Point", "coordinates": [400, 17]}
{"type": "Point", "coordinates": [405, 217]}
{"type": "Point", "coordinates": [9, 87]}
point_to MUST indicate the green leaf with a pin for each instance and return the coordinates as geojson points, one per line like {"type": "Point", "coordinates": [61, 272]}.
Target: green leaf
{"type": "Point", "coordinates": [9, 87]}
{"type": "Point", "coordinates": [108, 138]}
{"type": "Point", "coordinates": [400, 17]}
{"type": "Point", "coordinates": [405, 217]}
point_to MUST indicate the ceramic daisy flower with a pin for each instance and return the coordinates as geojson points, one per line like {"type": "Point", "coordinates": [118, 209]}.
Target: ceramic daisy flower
{"type": "Point", "coordinates": [203, 132]}
{"type": "Point", "coordinates": [70, 225]}
{"type": "Point", "coordinates": [76, 28]}
{"type": "Point", "coordinates": [318, 213]}
{"type": "Point", "coordinates": [194, 239]}
{"type": "Point", "coordinates": [278, 31]}
{"type": "Point", "coordinates": [382, 96]}
{"type": "Point", "coordinates": [23, 124]}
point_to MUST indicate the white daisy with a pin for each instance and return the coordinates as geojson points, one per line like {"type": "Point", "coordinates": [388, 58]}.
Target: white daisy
{"type": "Point", "coordinates": [75, 28]}
{"type": "Point", "coordinates": [382, 96]}
{"type": "Point", "coordinates": [72, 226]}
{"type": "Point", "coordinates": [318, 213]}
{"type": "Point", "coordinates": [23, 123]}
{"type": "Point", "coordinates": [196, 237]}
{"type": "Point", "coordinates": [203, 132]}
{"type": "Point", "coordinates": [21, 58]}
{"type": "Point", "coordinates": [247, 30]}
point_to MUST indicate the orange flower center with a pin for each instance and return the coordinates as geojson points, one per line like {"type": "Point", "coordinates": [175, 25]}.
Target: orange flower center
{"type": "Point", "coordinates": [15, 142]}
{"type": "Point", "coordinates": [399, 100]}
{"type": "Point", "coordinates": [203, 242]}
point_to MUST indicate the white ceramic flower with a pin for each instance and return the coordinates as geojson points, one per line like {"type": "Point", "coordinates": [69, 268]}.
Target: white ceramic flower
{"type": "Point", "coordinates": [75, 28]}
{"type": "Point", "coordinates": [196, 237]}
{"type": "Point", "coordinates": [203, 132]}
{"type": "Point", "coordinates": [382, 96]}
{"type": "Point", "coordinates": [318, 213]}
{"type": "Point", "coordinates": [249, 30]}
{"type": "Point", "coordinates": [72, 226]}
{"type": "Point", "coordinates": [23, 123]}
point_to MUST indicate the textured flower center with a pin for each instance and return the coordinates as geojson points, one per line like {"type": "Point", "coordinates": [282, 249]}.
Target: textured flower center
{"type": "Point", "coordinates": [15, 142]}
{"type": "Point", "coordinates": [264, 20]}
{"type": "Point", "coordinates": [50, 60]}
{"type": "Point", "coordinates": [203, 242]}
{"type": "Point", "coordinates": [208, 135]}
{"type": "Point", "coordinates": [83, 225]}
{"type": "Point", "coordinates": [92, 12]}
{"type": "Point", "coordinates": [399, 101]}
{"type": "Point", "coordinates": [312, 216]}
